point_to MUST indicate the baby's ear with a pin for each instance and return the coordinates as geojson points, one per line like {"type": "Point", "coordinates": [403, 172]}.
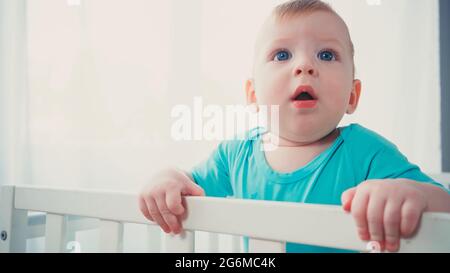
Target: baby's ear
{"type": "Point", "coordinates": [354, 97]}
{"type": "Point", "coordinates": [250, 91]}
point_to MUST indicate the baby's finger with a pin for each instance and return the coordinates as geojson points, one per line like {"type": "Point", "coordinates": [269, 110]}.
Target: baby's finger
{"type": "Point", "coordinates": [359, 212]}
{"type": "Point", "coordinates": [173, 200]}
{"type": "Point", "coordinates": [167, 215]}
{"type": "Point", "coordinates": [193, 189]}
{"type": "Point", "coordinates": [410, 218]}
{"type": "Point", "coordinates": [143, 208]}
{"type": "Point", "coordinates": [347, 198]}
{"type": "Point", "coordinates": [156, 215]}
{"type": "Point", "coordinates": [375, 212]}
{"type": "Point", "coordinates": [392, 214]}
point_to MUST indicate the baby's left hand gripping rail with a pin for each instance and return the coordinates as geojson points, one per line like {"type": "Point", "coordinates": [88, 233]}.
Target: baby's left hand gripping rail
{"type": "Point", "coordinates": [269, 224]}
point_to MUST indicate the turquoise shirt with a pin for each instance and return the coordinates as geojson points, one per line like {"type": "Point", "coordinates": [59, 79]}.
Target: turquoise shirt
{"type": "Point", "coordinates": [238, 168]}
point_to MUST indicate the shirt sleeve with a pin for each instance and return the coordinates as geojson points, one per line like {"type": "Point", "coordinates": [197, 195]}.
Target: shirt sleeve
{"type": "Point", "coordinates": [389, 162]}
{"type": "Point", "coordinates": [213, 173]}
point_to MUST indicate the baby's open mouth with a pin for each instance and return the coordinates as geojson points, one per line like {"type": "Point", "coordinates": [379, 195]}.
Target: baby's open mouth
{"type": "Point", "coordinates": [304, 96]}
{"type": "Point", "coordinates": [304, 93]}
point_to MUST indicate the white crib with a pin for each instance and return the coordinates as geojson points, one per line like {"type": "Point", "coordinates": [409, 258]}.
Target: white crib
{"type": "Point", "coordinates": [268, 224]}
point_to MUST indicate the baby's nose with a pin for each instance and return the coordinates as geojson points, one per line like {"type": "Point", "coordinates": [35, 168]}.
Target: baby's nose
{"type": "Point", "coordinates": [305, 69]}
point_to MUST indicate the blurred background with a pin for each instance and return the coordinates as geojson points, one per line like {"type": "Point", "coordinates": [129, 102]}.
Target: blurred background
{"type": "Point", "coordinates": [87, 86]}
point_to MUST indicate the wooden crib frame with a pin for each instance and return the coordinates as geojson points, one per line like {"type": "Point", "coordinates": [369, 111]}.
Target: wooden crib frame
{"type": "Point", "coordinates": [268, 224]}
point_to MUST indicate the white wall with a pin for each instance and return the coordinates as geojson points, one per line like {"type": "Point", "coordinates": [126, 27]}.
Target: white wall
{"type": "Point", "coordinates": [14, 135]}
{"type": "Point", "coordinates": [104, 75]}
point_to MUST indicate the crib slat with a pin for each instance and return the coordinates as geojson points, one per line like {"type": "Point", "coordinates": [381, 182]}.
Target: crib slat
{"type": "Point", "coordinates": [235, 244]}
{"type": "Point", "coordinates": [182, 243]}
{"type": "Point", "coordinates": [13, 222]}
{"type": "Point", "coordinates": [111, 236]}
{"type": "Point", "coordinates": [265, 246]}
{"type": "Point", "coordinates": [213, 242]}
{"type": "Point", "coordinates": [55, 233]}
{"type": "Point", "coordinates": [36, 225]}
{"type": "Point", "coordinates": [153, 239]}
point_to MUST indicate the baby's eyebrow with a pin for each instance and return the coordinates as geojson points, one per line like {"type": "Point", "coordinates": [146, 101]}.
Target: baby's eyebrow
{"type": "Point", "coordinates": [287, 41]}
{"type": "Point", "coordinates": [333, 40]}
{"type": "Point", "coordinates": [276, 43]}
{"type": "Point", "coordinates": [280, 41]}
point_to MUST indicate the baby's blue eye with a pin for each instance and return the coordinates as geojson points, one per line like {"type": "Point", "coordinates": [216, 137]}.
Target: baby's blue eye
{"type": "Point", "coordinates": [282, 55]}
{"type": "Point", "coordinates": [326, 55]}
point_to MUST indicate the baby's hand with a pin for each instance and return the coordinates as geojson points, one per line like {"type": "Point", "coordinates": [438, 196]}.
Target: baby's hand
{"type": "Point", "coordinates": [161, 201]}
{"type": "Point", "coordinates": [385, 210]}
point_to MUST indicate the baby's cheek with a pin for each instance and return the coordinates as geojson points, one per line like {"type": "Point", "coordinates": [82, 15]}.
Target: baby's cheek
{"type": "Point", "coordinates": [269, 96]}
{"type": "Point", "coordinates": [337, 94]}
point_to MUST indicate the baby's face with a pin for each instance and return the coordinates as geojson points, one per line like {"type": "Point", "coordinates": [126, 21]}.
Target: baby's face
{"type": "Point", "coordinates": [307, 52]}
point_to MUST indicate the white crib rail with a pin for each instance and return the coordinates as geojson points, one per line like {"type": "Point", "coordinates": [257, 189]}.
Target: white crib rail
{"type": "Point", "coordinates": [269, 224]}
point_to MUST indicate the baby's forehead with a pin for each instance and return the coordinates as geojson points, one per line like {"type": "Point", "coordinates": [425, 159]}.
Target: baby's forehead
{"type": "Point", "coordinates": [317, 25]}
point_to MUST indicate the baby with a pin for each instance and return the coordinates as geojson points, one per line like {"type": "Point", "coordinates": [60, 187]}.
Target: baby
{"type": "Point", "coordinates": [304, 63]}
